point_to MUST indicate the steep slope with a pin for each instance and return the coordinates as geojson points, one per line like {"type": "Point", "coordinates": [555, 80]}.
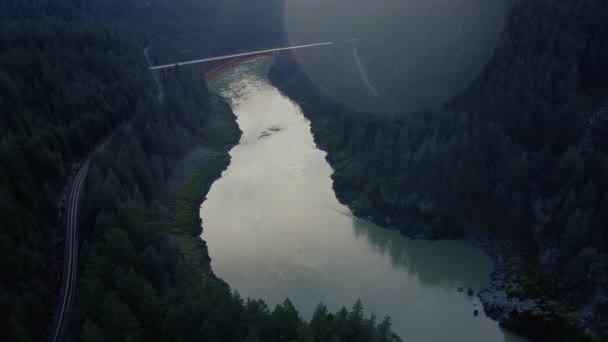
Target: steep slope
{"type": "Point", "coordinates": [502, 160]}
{"type": "Point", "coordinates": [57, 85]}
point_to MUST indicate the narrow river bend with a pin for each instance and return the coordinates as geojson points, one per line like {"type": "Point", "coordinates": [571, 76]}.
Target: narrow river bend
{"type": "Point", "coordinates": [275, 229]}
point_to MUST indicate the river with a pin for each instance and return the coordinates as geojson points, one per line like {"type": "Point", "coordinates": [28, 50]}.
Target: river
{"type": "Point", "coordinates": [275, 229]}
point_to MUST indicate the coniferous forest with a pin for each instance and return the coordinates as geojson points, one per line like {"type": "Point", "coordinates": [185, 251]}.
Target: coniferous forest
{"type": "Point", "coordinates": [73, 80]}
{"type": "Point", "coordinates": [61, 95]}
{"type": "Point", "coordinates": [519, 157]}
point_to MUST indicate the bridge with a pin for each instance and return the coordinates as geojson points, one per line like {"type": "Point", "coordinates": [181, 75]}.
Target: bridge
{"type": "Point", "coordinates": [214, 66]}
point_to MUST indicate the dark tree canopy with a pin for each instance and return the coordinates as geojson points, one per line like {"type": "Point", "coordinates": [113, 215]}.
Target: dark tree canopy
{"type": "Point", "coordinates": [521, 153]}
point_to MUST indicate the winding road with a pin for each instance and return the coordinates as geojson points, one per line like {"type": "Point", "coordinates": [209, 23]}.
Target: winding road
{"type": "Point", "coordinates": [69, 278]}
{"type": "Point", "coordinates": [70, 268]}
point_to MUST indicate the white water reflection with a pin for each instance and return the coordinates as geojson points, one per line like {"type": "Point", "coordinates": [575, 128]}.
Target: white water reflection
{"type": "Point", "coordinates": [275, 229]}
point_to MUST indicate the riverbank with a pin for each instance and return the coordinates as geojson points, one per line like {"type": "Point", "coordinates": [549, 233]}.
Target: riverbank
{"type": "Point", "coordinates": [193, 177]}
{"type": "Point", "coordinates": [275, 229]}
{"type": "Point", "coordinates": [210, 302]}
{"type": "Point", "coordinates": [514, 296]}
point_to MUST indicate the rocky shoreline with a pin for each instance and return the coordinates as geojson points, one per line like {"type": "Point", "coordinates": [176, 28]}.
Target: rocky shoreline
{"type": "Point", "coordinates": [505, 299]}
{"type": "Point", "coordinates": [497, 304]}
{"type": "Point", "coordinates": [192, 178]}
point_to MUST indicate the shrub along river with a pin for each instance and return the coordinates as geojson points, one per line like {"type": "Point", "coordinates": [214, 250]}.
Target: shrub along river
{"type": "Point", "coordinates": [275, 229]}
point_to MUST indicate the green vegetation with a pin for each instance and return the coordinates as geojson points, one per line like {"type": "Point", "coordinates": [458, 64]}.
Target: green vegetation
{"type": "Point", "coordinates": [62, 90]}
{"type": "Point", "coordinates": [73, 74]}
{"type": "Point", "coordinates": [522, 152]}
{"type": "Point", "coordinates": [206, 163]}
{"type": "Point", "coordinates": [146, 273]}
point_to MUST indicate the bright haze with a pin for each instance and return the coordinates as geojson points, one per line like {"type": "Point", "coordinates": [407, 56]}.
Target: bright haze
{"type": "Point", "coordinates": [415, 54]}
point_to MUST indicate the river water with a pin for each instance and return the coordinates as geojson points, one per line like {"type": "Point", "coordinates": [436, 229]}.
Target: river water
{"type": "Point", "coordinates": [275, 229]}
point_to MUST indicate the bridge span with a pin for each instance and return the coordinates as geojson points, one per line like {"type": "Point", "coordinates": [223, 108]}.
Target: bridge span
{"type": "Point", "coordinates": [213, 66]}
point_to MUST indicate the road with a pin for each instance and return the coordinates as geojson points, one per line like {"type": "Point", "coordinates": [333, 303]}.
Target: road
{"type": "Point", "coordinates": [70, 258]}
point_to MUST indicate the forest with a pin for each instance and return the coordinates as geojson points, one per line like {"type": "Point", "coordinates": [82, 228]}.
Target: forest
{"type": "Point", "coordinates": [142, 279]}
{"type": "Point", "coordinates": [177, 30]}
{"type": "Point", "coordinates": [72, 77]}
{"type": "Point", "coordinates": [63, 89]}
{"type": "Point", "coordinates": [520, 156]}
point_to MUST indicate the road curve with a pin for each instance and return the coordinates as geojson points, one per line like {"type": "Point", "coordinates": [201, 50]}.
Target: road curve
{"type": "Point", "coordinates": [70, 259]}
{"type": "Point", "coordinates": [69, 278]}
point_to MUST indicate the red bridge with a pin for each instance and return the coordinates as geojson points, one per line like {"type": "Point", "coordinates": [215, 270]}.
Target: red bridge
{"type": "Point", "coordinates": [214, 66]}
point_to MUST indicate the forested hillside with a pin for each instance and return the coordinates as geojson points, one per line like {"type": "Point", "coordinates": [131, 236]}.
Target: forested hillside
{"type": "Point", "coordinates": [182, 29]}
{"type": "Point", "coordinates": [63, 88]}
{"type": "Point", "coordinates": [521, 155]}
{"type": "Point", "coordinates": [146, 272]}
{"type": "Point", "coordinates": [72, 75]}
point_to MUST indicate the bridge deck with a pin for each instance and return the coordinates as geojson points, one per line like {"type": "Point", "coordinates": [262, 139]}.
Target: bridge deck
{"type": "Point", "coordinates": [212, 59]}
